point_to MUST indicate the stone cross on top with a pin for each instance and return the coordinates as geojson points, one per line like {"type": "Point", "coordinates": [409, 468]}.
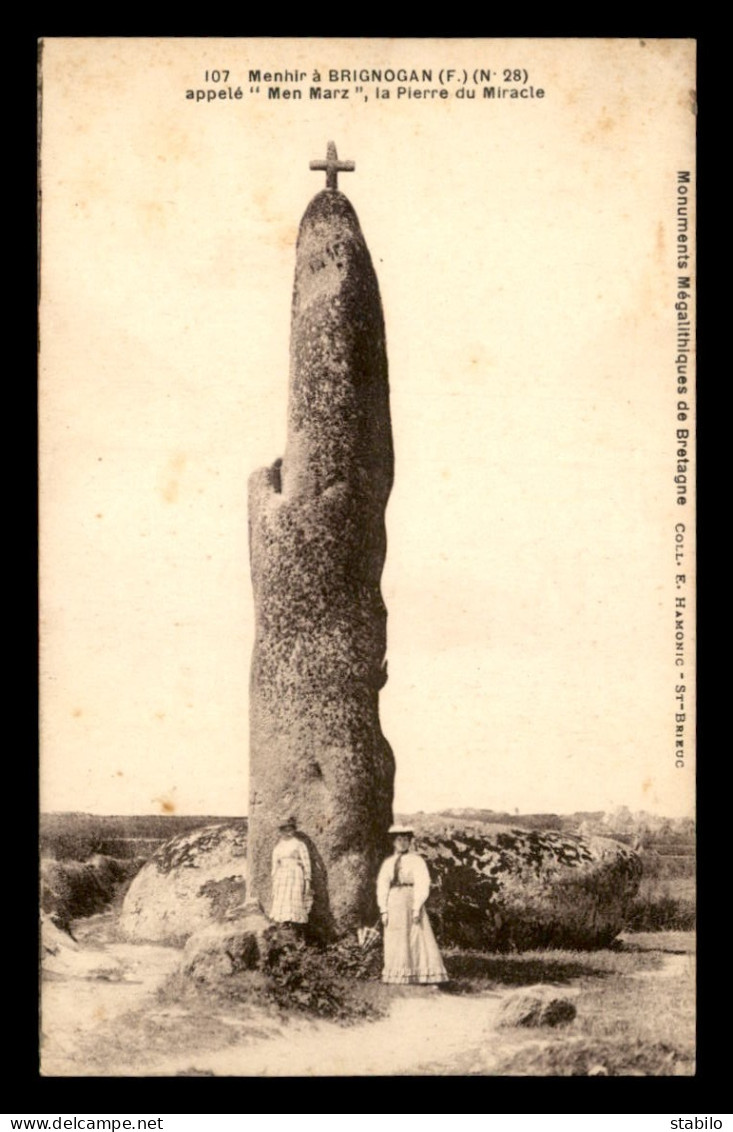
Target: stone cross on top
{"type": "Point", "coordinates": [332, 166]}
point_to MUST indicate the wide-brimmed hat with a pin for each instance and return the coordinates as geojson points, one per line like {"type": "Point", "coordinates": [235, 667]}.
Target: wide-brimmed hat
{"type": "Point", "coordinates": [288, 824]}
{"type": "Point", "coordinates": [395, 830]}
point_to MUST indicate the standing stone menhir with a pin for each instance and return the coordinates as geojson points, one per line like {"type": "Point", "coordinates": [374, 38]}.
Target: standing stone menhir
{"type": "Point", "coordinates": [317, 753]}
{"type": "Point", "coordinates": [317, 544]}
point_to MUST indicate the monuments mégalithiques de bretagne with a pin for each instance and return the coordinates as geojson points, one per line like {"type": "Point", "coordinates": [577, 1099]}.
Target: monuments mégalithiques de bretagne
{"type": "Point", "coordinates": [317, 545]}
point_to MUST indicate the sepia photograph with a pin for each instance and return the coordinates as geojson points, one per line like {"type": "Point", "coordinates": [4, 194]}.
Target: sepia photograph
{"type": "Point", "coordinates": [367, 557]}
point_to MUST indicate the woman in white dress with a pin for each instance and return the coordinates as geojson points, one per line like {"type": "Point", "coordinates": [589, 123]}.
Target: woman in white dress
{"type": "Point", "coordinates": [411, 954]}
{"type": "Point", "coordinates": [291, 878]}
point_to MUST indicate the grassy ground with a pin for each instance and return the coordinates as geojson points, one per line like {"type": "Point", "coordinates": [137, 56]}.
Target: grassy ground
{"type": "Point", "coordinates": [636, 1015]}
{"type": "Point", "coordinates": [473, 971]}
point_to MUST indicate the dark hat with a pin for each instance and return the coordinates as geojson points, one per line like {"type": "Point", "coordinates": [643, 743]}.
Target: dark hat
{"type": "Point", "coordinates": [289, 825]}
{"type": "Point", "coordinates": [396, 830]}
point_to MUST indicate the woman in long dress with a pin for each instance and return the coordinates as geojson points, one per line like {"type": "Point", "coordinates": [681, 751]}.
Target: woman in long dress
{"type": "Point", "coordinates": [411, 954]}
{"type": "Point", "coordinates": [291, 878]}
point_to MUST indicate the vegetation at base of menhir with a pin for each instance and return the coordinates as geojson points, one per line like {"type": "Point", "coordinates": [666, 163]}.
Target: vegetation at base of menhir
{"type": "Point", "coordinates": [322, 981]}
{"type": "Point", "coordinates": [336, 981]}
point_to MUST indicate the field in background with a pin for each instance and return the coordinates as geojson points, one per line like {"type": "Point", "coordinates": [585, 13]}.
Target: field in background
{"type": "Point", "coordinates": [77, 837]}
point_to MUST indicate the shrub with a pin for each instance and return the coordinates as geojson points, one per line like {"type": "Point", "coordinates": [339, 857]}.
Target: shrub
{"type": "Point", "coordinates": [586, 1057]}
{"type": "Point", "coordinates": [319, 980]}
{"type": "Point", "coordinates": [661, 912]}
{"type": "Point", "coordinates": [294, 975]}
{"type": "Point", "coordinates": [299, 978]}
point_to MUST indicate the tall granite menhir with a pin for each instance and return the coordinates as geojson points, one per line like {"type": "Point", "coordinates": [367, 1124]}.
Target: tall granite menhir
{"type": "Point", "coordinates": [317, 546]}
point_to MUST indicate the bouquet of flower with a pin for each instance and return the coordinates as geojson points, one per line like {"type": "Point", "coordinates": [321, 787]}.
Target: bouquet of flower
{"type": "Point", "coordinates": [367, 937]}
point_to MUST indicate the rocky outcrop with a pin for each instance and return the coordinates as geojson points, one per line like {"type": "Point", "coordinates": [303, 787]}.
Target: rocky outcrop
{"type": "Point", "coordinates": [494, 888]}
{"type": "Point", "coordinates": [318, 543]}
{"type": "Point", "coordinates": [189, 883]}
{"type": "Point", "coordinates": [221, 950]}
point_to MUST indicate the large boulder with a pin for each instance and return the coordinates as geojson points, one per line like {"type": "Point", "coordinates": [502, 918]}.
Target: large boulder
{"type": "Point", "coordinates": [502, 888]}
{"type": "Point", "coordinates": [191, 882]}
{"type": "Point", "coordinates": [494, 887]}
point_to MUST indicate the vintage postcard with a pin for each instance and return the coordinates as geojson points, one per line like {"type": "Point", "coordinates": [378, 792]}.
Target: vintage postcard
{"type": "Point", "coordinates": [492, 320]}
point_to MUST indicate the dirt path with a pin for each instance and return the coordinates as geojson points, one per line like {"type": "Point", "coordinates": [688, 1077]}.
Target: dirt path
{"type": "Point", "coordinates": [101, 1017]}
{"type": "Point", "coordinates": [85, 987]}
{"type": "Point", "coordinates": [95, 987]}
{"type": "Point", "coordinates": [418, 1033]}
{"type": "Point", "coordinates": [435, 1030]}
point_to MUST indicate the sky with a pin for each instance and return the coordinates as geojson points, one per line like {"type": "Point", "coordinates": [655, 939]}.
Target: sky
{"type": "Point", "coordinates": [526, 255]}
